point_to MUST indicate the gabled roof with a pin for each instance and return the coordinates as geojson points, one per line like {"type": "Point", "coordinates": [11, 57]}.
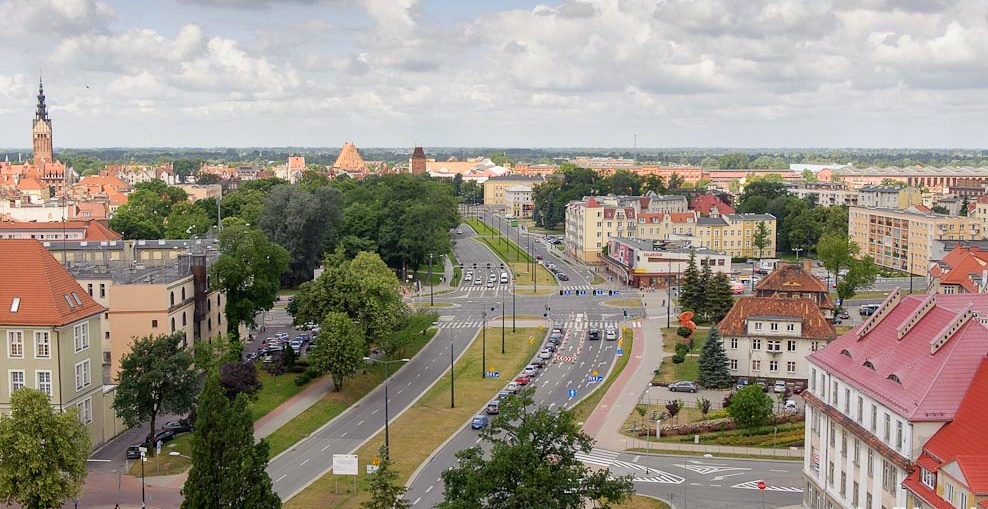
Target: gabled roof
{"type": "Point", "coordinates": [916, 355]}
{"type": "Point", "coordinates": [791, 277]}
{"type": "Point", "coordinates": [44, 292]}
{"type": "Point", "coordinates": [706, 203]}
{"type": "Point", "coordinates": [961, 441]}
{"type": "Point", "coordinates": [815, 325]}
{"type": "Point", "coordinates": [963, 266]}
{"type": "Point", "coordinates": [29, 183]}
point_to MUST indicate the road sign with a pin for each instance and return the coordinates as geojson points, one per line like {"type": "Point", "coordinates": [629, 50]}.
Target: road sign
{"type": "Point", "coordinates": [761, 485]}
{"type": "Point", "coordinates": [620, 351]}
{"type": "Point", "coordinates": [376, 461]}
{"type": "Point", "coordinates": [371, 469]}
{"type": "Point", "coordinates": [595, 379]}
{"type": "Point", "coordinates": [572, 393]}
{"type": "Point", "coordinates": [531, 340]}
{"type": "Point", "coordinates": [595, 373]}
{"type": "Point", "coordinates": [493, 374]}
{"type": "Point", "coordinates": [345, 464]}
{"type": "Point", "coordinates": [566, 292]}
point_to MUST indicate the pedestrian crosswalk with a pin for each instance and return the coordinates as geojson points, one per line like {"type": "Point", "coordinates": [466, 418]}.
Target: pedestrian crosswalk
{"type": "Point", "coordinates": [753, 485]}
{"type": "Point", "coordinates": [608, 459]}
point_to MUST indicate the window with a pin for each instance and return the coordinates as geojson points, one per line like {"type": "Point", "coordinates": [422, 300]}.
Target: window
{"type": "Point", "coordinates": [888, 427]}
{"type": "Point", "coordinates": [86, 411]}
{"type": "Point", "coordinates": [857, 451]}
{"type": "Point", "coordinates": [833, 395]}
{"type": "Point", "coordinates": [44, 381]}
{"type": "Point", "coordinates": [756, 344]}
{"type": "Point", "coordinates": [871, 462]}
{"type": "Point", "coordinates": [888, 477]}
{"type": "Point", "coordinates": [89, 289]}
{"type": "Point", "coordinates": [847, 402]}
{"type": "Point", "coordinates": [80, 333]}
{"type": "Point", "coordinates": [16, 380]}
{"type": "Point", "coordinates": [773, 366]}
{"type": "Point", "coordinates": [874, 418]}
{"type": "Point", "coordinates": [962, 499]}
{"type": "Point", "coordinates": [898, 435]}
{"type": "Point", "coordinates": [82, 376]}
{"type": "Point", "coordinates": [854, 494]}
{"type": "Point", "coordinates": [773, 326]}
{"type": "Point", "coordinates": [790, 327]}
{"type": "Point", "coordinates": [833, 434]}
{"type": "Point", "coordinates": [154, 324]}
{"type": "Point", "coordinates": [949, 493]}
{"type": "Point", "coordinates": [843, 441]}
{"type": "Point", "coordinates": [734, 343]}
{"type": "Point", "coordinates": [15, 344]}
{"type": "Point", "coordinates": [830, 474]}
{"type": "Point", "coordinates": [42, 344]}
{"type": "Point", "coordinates": [734, 364]}
{"type": "Point", "coordinates": [756, 365]}
{"type": "Point", "coordinates": [860, 408]}
{"type": "Point", "coordinates": [791, 346]}
{"type": "Point", "coordinates": [816, 423]}
{"type": "Point", "coordinates": [173, 324]}
{"type": "Point", "coordinates": [814, 345]}
{"type": "Point", "coordinates": [843, 484]}
{"type": "Point", "coordinates": [758, 325]}
{"type": "Point", "coordinates": [813, 379]}
{"type": "Point", "coordinates": [774, 345]}
{"type": "Point", "coordinates": [791, 366]}
{"type": "Point", "coordinates": [102, 290]}
{"type": "Point", "coordinates": [928, 478]}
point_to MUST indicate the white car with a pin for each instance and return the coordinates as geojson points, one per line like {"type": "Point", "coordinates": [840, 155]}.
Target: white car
{"type": "Point", "coordinates": [513, 387]}
{"type": "Point", "coordinates": [545, 354]}
{"type": "Point", "coordinates": [610, 334]}
{"type": "Point", "coordinates": [468, 277]}
{"type": "Point", "coordinates": [779, 387]}
{"type": "Point", "coordinates": [530, 370]}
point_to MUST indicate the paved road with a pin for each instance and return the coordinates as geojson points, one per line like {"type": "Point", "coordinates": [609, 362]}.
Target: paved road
{"type": "Point", "coordinates": [562, 383]}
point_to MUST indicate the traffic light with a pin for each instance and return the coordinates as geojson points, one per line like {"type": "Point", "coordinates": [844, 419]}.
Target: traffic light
{"type": "Point", "coordinates": [625, 313]}
{"type": "Point", "coordinates": [560, 292]}
{"type": "Point", "coordinates": [475, 265]}
{"type": "Point", "coordinates": [610, 292]}
{"type": "Point", "coordinates": [488, 265]}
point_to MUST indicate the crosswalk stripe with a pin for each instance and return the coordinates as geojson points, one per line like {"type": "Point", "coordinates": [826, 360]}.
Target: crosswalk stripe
{"type": "Point", "coordinates": [753, 485]}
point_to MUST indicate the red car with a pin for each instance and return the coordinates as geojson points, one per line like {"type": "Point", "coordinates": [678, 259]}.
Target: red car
{"type": "Point", "coordinates": [523, 380]}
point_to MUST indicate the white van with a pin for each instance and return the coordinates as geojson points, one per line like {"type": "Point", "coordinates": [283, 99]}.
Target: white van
{"type": "Point", "coordinates": [504, 278]}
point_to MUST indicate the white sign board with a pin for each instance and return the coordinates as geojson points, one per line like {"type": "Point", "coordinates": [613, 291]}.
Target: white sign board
{"type": "Point", "coordinates": [371, 469]}
{"type": "Point", "coordinates": [345, 464]}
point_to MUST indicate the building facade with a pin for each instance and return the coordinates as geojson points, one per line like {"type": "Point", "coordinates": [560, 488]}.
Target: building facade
{"type": "Point", "coordinates": [827, 194]}
{"type": "Point", "coordinates": [889, 197]}
{"type": "Point", "coordinates": [879, 392]}
{"type": "Point", "coordinates": [656, 263]}
{"type": "Point", "coordinates": [591, 222]}
{"type": "Point", "coordinates": [737, 234]}
{"type": "Point", "coordinates": [496, 188]}
{"type": "Point", "coordinates": [51, 328]}
{"type": "Point", "coordinates": [904, 239]}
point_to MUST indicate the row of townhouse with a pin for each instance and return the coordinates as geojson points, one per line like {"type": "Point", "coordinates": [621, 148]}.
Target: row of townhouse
{"type": "Point", "coordinates": [895, 408]}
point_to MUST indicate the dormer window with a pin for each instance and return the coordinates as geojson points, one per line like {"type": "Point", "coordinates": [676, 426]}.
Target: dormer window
{"type": "Point", "coordinates": [869, 365]}
{"type": "Point", "coordinates": [895, 378]}
{"type": "Point", "coordinates": [845, 352]}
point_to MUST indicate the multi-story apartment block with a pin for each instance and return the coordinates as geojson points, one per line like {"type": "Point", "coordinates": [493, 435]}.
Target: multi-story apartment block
{"type": "Point", "coordinates": [518, 201]}
{"type": "Point", "coordinates": [595, 219]}
{"type": "Point", "coordinates": [889, 197]}
{"type": "Point", "coordinates": [879, 392]}
{"type": "Point", "coordinates": [904, 239]}
{"type": "Point", "coordinates": [736, 233]}
{"type": "Point", "coordinates": [651, 263]}
{"type": "Point", "coordinates": [827, 194]}
{"type": "Point", "coordinates": [50, 328]}
{"type": "Point", "coordinates": [496, 188]}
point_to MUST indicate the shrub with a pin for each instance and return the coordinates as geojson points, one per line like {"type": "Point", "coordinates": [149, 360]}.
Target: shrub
{"type": "Point", "coordinates": [678, 359]}
{"type": "Point", "coordinates": [682, 349]}
{"type": "Point", "coordinates": [683, 332]}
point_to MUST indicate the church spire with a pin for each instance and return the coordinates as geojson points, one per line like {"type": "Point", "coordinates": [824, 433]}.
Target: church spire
{"type": "Point", "coordinates": [42, 113]}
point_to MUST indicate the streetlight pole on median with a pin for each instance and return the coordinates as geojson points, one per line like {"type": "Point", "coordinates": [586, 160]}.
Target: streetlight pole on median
{"type": "Point", "coordinates": [503, 328]}
{"type": "Point", "coordinates": [512, 304]}
{"type": "Point", "coordinates": [452, 381]}
{"type": "Point", "coordinates": [483, 347]}
{"type": "Point", "coordinates": [431, 284]}
{"type": "Point", "coordinates": [387, 434]}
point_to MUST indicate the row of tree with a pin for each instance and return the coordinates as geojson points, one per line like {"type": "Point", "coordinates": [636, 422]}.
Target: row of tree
{"type": "Point", "coordinates": [706, 294]}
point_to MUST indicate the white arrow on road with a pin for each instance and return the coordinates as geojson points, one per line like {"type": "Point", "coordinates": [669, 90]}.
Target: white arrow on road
{"type": "Point", "coordinates": [722, 477]}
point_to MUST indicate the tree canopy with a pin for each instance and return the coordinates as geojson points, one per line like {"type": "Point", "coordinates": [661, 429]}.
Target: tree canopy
{"type": "Point", "coordinates": [305, 223]}
{"type": "Point", "coordinates": [531, 463]}
{"type": "Point", "coordinates": [750, 407]}
{"type": "Point", "coordinates": [713, 363]}
{"type": "Point", "coordinates": [43, 452]}
{"type": "Point", "coordinates": [155, 377]}
{"type": "Point", "coordinates": [339, 348]}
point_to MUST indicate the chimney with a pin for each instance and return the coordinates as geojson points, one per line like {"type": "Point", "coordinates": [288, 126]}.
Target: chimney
{"type": "Point", "coordinates": [808, 265]}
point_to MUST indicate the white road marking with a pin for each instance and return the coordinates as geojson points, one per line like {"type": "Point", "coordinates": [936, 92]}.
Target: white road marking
{"type": "Point", "coordinates": [429, 488]}
{"type": "Point", "coordinates": [304, 462]}
{"type": "Point", "coordinates": [324, 448]}
{"type": "Point", "coordinates": [280, 478]}
{"type": "Point", "coordinates": [416, 500]}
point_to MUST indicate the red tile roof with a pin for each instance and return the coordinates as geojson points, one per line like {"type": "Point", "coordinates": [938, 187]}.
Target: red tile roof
{"type": "Point", "coordinates": [902, 339]}
{"type": "Point", "coordinates": [95, 230]}
{"type": "Point", "coordinates": [42, 286]}
{"type": "Point", "coordinates": [794, 280]}
{"type": "Point", "coordinates": [706, 203]}
{"type": "Point", "coordinates": [960, 265]}
{"type": "Point", "coordinates": [815, 325]}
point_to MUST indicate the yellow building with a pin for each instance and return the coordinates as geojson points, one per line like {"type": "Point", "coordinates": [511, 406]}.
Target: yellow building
{"type": "Point", "coordinates": [496, 188]}
{"type": "Point", "coordinates": [737, 234]}
{"type": "Point", "coordinates": [903, 239]}
{"type": "Point", "coordinates": [591, 222]}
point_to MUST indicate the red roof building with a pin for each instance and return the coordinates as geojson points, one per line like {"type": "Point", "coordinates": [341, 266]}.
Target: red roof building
{"type": "Point", "coordinates": [963, 270]}
{"type": "Point", "coordinates": [709, 205]}
{"type": "Point", "coordinates": [953, 466]}
{"type": "Point", "coordinates": [878, 391]}
{"type": "Point", "coordinates": [64, 230]}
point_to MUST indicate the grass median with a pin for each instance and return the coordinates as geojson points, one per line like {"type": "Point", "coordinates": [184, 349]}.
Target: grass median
{"type": "Point", "coordinates": [411, 445]}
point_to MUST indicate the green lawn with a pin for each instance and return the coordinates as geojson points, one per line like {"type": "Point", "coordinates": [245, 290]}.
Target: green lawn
{"type": "Point", "coordinates": [166, 464]}
{"type": "Point", "coordinates": [276, 390]}
{"type": "Point", "coordinates": [689, 369]}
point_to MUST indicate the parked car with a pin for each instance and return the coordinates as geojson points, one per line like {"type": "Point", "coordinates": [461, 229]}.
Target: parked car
{"type": "Point", "coordinates": [835, 320]}
{"type": "Point", "coordinates": [479, 422]}
{"type": "Point", "coordinates": [530, 370]}
{"type": "Point", "coordinates": [798, 388]}
{"type": "Point", "coordinates": [513, 387]}
{"type": "Point", "coordinates": [539, 362]}
{"type": "Point", "coordinates": [683, 386]}
{"type": "Point", "coordinates": [844, 314]}
{"type": "Point", "coordinates": [791, 407]}
{"type": "Point", "coordinates": [545, 354]}
{"type": "Point", "coordinates": [523, 380]}
{"type": "Point", "coordinates": [562, 276]}
{"type": "Point", "coordinates": [868, 309]}
{"type": "Point", "coordinates": [165, 435]}
{"type": "Point", "coordinates": [779, 387]}
{"type": "Point", "coordinates": [763, 383]}
{"type": "Point", "coordinates": [741, 383]}
{"type": "Point", "coordinates": [182, 426]}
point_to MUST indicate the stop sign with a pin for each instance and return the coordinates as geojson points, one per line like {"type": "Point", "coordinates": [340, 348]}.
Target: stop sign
{"type": "Point", "coordinates": [761, 485]}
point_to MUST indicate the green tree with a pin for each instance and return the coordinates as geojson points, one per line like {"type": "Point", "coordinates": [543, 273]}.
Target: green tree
{"type": "Point", "coordinates": [733, 161]}
{"type": "Point", "coordinates": [706, 278]}
{"type": "Point", "coordinates": [713, 363]}
{"type": "Point", "coordinates": [301, 222]}
{"type": "Point", "coordinates": [894, 182]}
{"type": "Point", "coordinates": [340, 348]}
{"type": "Point", "coordinates": [717, 298]}
{"type": "Point", "coordinates": [940, 209]}
{"type": "Point", "coordinates": [227, 466]}
{"type": "Point", "coordinates": [248, 272]}
{"type": "Point", "coordinates": [860, 274]}
{"type": "Point", "coordinates": [155, 377]}
{"type": "Point", "coordinates": [690, 291]}
{"type": "Point", "coordinates": [837, 252]}
{"type": "Point", "coordinates": [364, 288]}
{"type": "Point", "coordinates": [760, 238]}
{"type": "Point", "coordinates": [43, 452]}
{"type": "Point", "coordinates": [386, 489]}
{"type": "Point", "coordinates": [965, 203]}
{"type": "Point", "coordinates": [186, 220]}
{"type": "Point", "coordinates": [750, 407]}
{"type": "Point", "coordinates": [531, 463]}
{"type": "Point", "coordinates": [143, 216]}
{"type": "Point", "coordinates": [759, 191]}
{"type": "Point", "coordinates": [204, 178]}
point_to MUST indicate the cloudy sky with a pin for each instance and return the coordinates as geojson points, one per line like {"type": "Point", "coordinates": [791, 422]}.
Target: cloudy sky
{"type": "Point", "coordinates": [518, 73]}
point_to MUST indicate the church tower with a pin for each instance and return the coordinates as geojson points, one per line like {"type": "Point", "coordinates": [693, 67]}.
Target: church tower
{"type": "Point", "coordinates": [42, 130]}
{"type": "Point", "coordinates": [418, 161]}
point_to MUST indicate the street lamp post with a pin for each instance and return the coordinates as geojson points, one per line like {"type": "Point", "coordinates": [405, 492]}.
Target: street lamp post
{"type": "Point", "coordinates": [431, 284]}
{"type": "Point", "coordinates": [797, 250]}
{"type": "Point", "coordinates": [387, 434]}
{"type": "Point", "coordinates": [669, 297]}
{"type": "Point", "coordinates": [512, 305]}
{"type": "Point", "coordinates": [483, 347]}
{"type": "Point", "coordinates": [503, 328]}
{"type": "Point", "coordinates": [452, 381]}
{"type": "Point", "coordinates": [143, 455]}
